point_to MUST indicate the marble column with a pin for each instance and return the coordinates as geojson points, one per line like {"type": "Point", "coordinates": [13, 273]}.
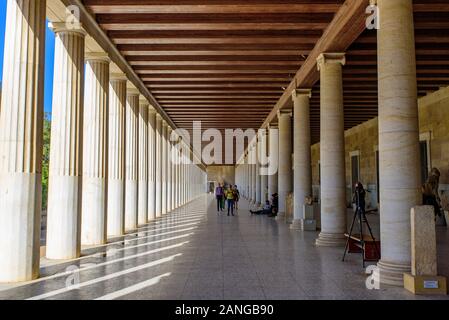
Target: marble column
{"type": "Point", "coordinates": [253, 173]}
{"type": "Point", "coordinates": [21, 118]}
{"type": "Point", "coordinates": [151, 164]}
{"type": "Point", "coordinates": [116, 147]}
{"type": "Point", "coordinates": [169, 173]}
{"type": "Point", "coordinates": [158, 166]}
{"type": "Point", "coordinates": [333, 186]}
{"type": "Point", "coordinates": [65, 176]}
{"type": "Point", "coordinates": [273, 149]}
{"type": "Point", "coordinates": [258, 177]}
{"type": "Point", "coordinates": [398, 137]}
{"type": "Point", "coordinates": [263, 178]}
{"type": "Point", "coordinates": [285, 160]}
{"type": "Point", "coordinates": [164, 167]}
{"type": "Point", "coordinates": [142, 185]}
{"type": "Point", "coordinates": [302, 179]}
{"type": "Point", "coordinates": [95, 153]}
{"type": "Point", "coordinates": [131, 163]}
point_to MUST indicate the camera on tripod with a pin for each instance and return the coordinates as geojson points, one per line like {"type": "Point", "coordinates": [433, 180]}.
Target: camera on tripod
{"type": "Point", "coordinates": [359, 197]}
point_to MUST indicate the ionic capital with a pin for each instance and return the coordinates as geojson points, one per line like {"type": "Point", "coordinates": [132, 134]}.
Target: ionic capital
{"type": "Point", "coordinates": [331, 58]}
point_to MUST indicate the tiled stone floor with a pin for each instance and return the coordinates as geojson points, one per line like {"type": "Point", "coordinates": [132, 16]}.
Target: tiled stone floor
{"type": "Point", "coordinates": [195, 254]}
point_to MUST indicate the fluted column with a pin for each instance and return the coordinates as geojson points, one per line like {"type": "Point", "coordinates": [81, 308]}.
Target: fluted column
{"type": "Point", "coordinates": [263, 178]}
{"type": "Point", "coordinates": [95, 153]}
{"type": "Point", "coordinates": [21, 118]}
{"type": "Point", "coordinates": [158, 166]}
{"type": "Point", "coordinates": [169, 171]}
{"type": "Point", "coordinates": [302, 181]}
{"type": "Point", "coordinates": [253, 172]}
{"type": "Point", "coordinates": [142, 185]}
{"type": "Point", "coordinates": [131, 163]}
{"type": "Point", "coordinates": [273, 149]}
{"type": "Point", "coordinates": [333, 186]}
{"type": "Point", "coordinates": [398, 137]}
{"type": "Point", "coordinates": [285, 160]}
{"type": "Point", "coordinates": [164, 167]}
{"type": "Point", "coordinates": [151, 164]}
{"type": "Point", "coordinates": [176, 168]}
{"type": "Point", "coordinates": [173, 171]}
{"type": "Point", "coordinates": [258, 177]}
{"type": "Point", "coordinates": [65, 169]}
{"type": "Point", "coordinates": [116, 147]}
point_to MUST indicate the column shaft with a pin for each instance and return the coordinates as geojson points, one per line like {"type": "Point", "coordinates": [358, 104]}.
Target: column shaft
{"type": "Point", "coordinates": [158, 166]}
{"type": "Point", "coordinates": [95, 153]}
{"type": "Point", "coordinates": [302, 155]}
{"type": "Point", "coordinates": [258, 177]}
{"type": "Point", "coordinates": [398, 137]}
{"type": "Point", "coordinates": [164, 168]}
{"type": "Point", "coordinates": [285, 160]}
{"type": "Point", "coordinates": [142, 185]}
{"type": "Point", "coordinates": [333, 186]}
{"type": "Point", "coordinates": [131, 163]}
{"type": "Point", "coordinates": [116, 147]}
{"type": "Point", "coordinates": [273, 149]}
{"type": "Point", "coordinates": [65, 175]}
{"type": "Point", "coordinates": [169, 171]}
{"type": "Point", "coordinates": [264, 178]}
{"type": "Point", "coordinates": [151, 164]}
{"type": "Point", "coordinates": [21, 118]}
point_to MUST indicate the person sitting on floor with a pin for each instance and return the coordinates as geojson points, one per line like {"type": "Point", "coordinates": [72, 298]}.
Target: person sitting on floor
{"type": "Point", "coordinates": [274, 205]}
{"type": "Point", "coordinates": [266, 209]}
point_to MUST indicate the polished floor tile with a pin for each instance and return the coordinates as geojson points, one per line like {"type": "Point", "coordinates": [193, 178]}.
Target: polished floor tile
{"type": "Point", "coordinates": [193, 253]}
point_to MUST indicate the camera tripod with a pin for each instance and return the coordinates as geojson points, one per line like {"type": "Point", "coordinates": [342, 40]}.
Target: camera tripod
{"type": "Point", "coordinates": [360, 215]}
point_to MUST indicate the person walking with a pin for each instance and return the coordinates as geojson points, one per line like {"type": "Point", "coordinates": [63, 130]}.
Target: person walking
{"type": "Point", "coordinates": [229, 194]}
{"type": "Point", "coordinates": [219, 194]}
{"type": "Point", "coordinates": [236, 197]}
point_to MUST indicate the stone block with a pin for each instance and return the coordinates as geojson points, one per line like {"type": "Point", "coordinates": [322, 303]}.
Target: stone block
{"type": "Point", "coordinates": [423, 240]}
{"type": "Point", "coordinates": [308, 212]}
{"type": "Point", "coordinates": [426, 285]}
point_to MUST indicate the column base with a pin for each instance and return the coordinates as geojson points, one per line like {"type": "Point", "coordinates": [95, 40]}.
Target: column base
{"type": "Point", "coordinates": [331, 240]}
{"type": "Point", "coordinates": [280, 216]}
{"type": "Point", "coordinates": [296, 225]}
{"type": "Point", "coordinates": [304, 225]}
{"type": "Point", "coordinates": [391, 274]}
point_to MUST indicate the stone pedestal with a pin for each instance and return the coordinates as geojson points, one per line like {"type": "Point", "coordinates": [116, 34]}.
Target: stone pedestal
{"type": "Point", "coordinates": [65, 176]}
{"type": "Point", "coordinates": [307, 221]}
{"type": "Point", "coordinates": [333, 186]}
{"type": "Point", "coordinates": [131, 163]}
{"type": "Point", "coordinates": [95, 153]}
{"type": "Point", "coordinates": [21, 118]}
{"type": "Point", "coordinates": [424, 276]}
{"type": "Point", "coordinates": [116, 147]}
{"type": "Point", "coordinates": [399, 159]}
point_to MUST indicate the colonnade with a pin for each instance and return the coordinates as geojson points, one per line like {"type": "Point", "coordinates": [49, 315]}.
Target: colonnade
{"type": "Point", "coordinates": [398, 145]}
{"type": "Point", "coordinates": [115, 163]}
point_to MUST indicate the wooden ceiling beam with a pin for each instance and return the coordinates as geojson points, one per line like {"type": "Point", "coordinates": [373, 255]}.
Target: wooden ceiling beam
{"type": "Point", "coordinates": [346, 26]}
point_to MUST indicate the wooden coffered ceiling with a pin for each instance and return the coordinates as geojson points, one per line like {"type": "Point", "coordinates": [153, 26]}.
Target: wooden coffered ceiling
{"type": "Point", "coordinates": [233, 63]}
{"type": "Point", "coordinates": [224, 62]}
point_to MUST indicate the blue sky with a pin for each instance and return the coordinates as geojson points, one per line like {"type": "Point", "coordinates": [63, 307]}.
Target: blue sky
{"type": "Point", "coordinates": [49, 56]}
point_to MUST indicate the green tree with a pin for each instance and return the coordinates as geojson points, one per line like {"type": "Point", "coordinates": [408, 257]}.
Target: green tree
{"type": "Point", "coordinates": [46, 160]}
